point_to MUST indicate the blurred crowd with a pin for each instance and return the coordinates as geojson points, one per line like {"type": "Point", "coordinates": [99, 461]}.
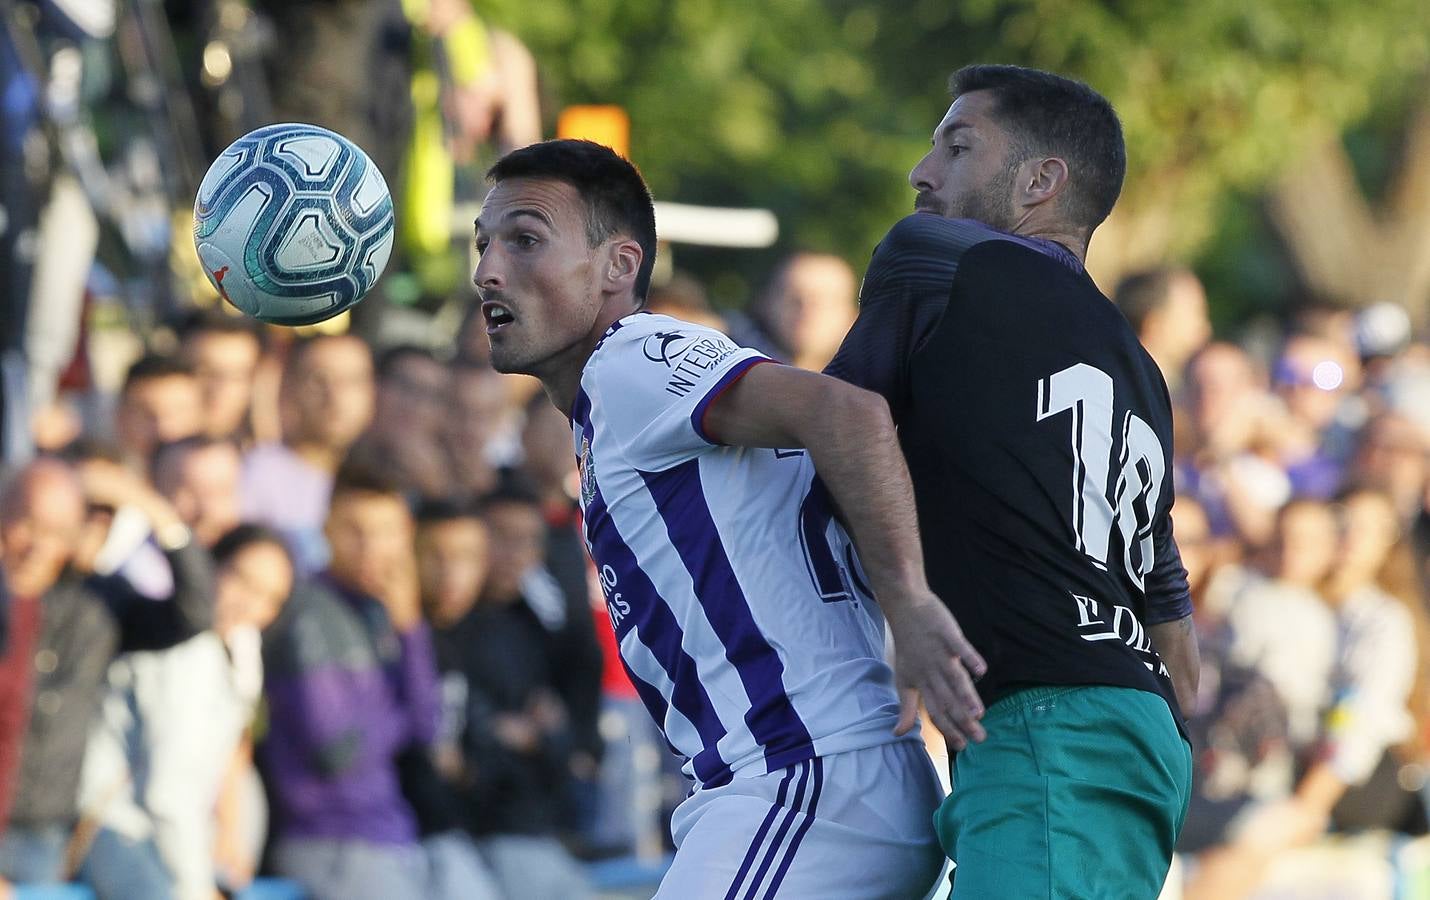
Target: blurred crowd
{"type": "Point", "coordinates": [1303, 517]}
{"type": "Point", "coordinates": [315, 603]}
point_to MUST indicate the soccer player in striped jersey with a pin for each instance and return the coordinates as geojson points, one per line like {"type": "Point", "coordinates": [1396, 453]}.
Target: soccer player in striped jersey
{"type": "Point", "coordinates": [712, 485]}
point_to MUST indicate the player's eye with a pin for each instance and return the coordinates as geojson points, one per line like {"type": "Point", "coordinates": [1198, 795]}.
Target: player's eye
{"type": "Point", "coordinates": [481, 245]}
{"type": "Point", "coordinates": [956, 149]}
{"type": "Point", "coordinates": [526, 240]}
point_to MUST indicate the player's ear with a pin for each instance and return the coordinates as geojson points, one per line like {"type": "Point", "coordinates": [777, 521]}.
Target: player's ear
{"type": "Point", "coordinates": [1043, 179]}
{"type": "Point", "coordinates": [624, 264]}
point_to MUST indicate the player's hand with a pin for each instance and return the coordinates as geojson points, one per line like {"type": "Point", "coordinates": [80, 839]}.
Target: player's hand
{"type": "Point", "coordinates": [933, 660]}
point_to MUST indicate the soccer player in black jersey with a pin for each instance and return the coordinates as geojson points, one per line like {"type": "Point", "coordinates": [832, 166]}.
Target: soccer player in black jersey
{"type": "Point", "coordinates": [1039, 436]}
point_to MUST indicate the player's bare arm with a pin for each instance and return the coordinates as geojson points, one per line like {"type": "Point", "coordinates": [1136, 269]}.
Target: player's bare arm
{"type": "Point", "coordinates": [850, 437]}
{"type": "Point", "coordinates": [1176, 643]}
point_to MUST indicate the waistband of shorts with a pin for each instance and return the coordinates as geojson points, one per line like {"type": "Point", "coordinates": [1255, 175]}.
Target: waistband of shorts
{"type": "Point", "coordinates": [1022, 698]}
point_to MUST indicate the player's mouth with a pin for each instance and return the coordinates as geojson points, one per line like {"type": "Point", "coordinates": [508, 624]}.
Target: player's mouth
{"type": "Point", "coordinates": [497, 315]}
{"type": "Point", "coordinates": [928, 203]}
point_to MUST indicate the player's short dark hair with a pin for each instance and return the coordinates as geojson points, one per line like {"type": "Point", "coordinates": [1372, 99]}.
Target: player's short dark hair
{"type": "Point", "coordinates": [1142, 293]}
{"type": "Point", "coordinates": [617, 198]}
{"type": "Point", "coordinates": [240, 537]}
{"type": "Point", "coordinates": [211, 320]}
{"type": "Point", "coordinates": [153, 367]}
{"type": "Point", "coordinates": [1050, 115]}
{"type": "Point", "coordinates": [390, 358]}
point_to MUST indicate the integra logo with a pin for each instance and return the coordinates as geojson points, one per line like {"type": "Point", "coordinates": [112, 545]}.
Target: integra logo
{"type": "Point", "coordinates": [663, 346]}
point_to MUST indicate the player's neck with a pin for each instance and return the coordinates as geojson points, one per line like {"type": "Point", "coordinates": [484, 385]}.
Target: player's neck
{"type": "Point", "coordinates": [1074, 242]}
{"type": "Point", "coordinates": [1036, 223]}
{"type": "Point", "coordinates": [562, 378]}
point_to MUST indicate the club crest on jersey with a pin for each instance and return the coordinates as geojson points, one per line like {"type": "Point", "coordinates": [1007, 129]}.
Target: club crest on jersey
{"type": "Point", "coordinates": [665, 347]}
{"type": "Point", "coordinates": [587, 467]}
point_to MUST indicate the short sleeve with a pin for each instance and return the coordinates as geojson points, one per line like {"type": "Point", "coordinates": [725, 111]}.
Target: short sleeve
{"type": "Point", "coordinates": [652, 389]}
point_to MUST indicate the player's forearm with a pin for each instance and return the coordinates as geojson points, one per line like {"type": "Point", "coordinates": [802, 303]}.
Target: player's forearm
{"type": "Point", "coordinates": [1176, 643]}
{"type": "Point", "coordinates": [856, 453]}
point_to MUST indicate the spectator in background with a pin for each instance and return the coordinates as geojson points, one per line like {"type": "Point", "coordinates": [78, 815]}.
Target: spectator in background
{"type": "Point", "coordinates": [806, 310]}
{"type": "Point", "coordinates": [1229, 465]}
{"type": "Point", "coordinates": [253, 580]}
{"type": "Point", "coordinates": [1279, 624]}
{"type": "Point", "coordinates": [684, 298]}
{"type": "Point", "coordinates": [351, 684]}
{"type": "Point", "coordinates": [1394, 457]}
{"type": "Point", "coordinates": [1353, 778]}
{"type": "Point", "coordinates": [1238, 726]}
{"type": "Point", "coordinates": [549, 465]}
{"type": "Point", "coordinates": [478, 418]}
{"type": "Point", "coordinates": [405, 438]}
{"type": "Point", "coordinates": [160, 401]}
{"type": "Point", "coordinates": [82, 624]}
{"type": "Point", "coordinates": [1381, 669]}
{"type": "Point", "coordinates": [518, 574]}
{"type": "Point", "coordinates": [224, 352]}
{"type": "Point", "coordinates": [200, 477]}
{"type": "Point", "coordinates": [1313, 377]}
{"type": "Point", "coordinates": [171, 724]}
{"type": "Point", "coordinates": [60, 641]}
{"type": "Point", "coordinates": [506, 660]}
{"type": "Point", "coordinates": [1167, 307]}
{"type": "Point", "coordinates": [453, 556]}
{"type": "Point", "coordinates": [327, 402]}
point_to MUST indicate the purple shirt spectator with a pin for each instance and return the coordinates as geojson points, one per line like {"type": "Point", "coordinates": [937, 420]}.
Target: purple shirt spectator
{"type": "Point", "coordinates": [347, 693]}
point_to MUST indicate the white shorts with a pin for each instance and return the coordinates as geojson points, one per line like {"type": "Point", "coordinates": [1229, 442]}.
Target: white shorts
{"type": "Point", "coordinates": [852, 826]}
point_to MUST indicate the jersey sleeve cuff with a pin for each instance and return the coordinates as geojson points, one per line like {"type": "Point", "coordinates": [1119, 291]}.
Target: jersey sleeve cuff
{"type": "Point", "coordinates": [727, 381]}
{"type": "Point", "coordinates": [1169, 609]}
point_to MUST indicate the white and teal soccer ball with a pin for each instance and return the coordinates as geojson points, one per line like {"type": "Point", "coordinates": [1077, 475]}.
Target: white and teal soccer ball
{"type": "Point", "coordinates": [293, 224]}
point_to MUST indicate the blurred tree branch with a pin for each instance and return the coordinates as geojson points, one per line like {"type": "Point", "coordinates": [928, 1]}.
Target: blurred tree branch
{"type": "Point", "coordinates": [1347, 248]}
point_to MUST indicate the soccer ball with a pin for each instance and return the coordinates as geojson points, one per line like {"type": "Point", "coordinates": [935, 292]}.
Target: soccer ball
{"type": "Point", "coordinates": [293, 224]}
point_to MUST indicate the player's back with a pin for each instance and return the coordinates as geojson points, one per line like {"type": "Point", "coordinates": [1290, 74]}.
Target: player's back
{"type": "Point", "coordinates": [1038, 435]}
{"type": "Point", "coordinates": [734, 594]}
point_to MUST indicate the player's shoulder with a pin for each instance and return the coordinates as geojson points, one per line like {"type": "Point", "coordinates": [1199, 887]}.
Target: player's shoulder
{"type": "Point", "coordinates": [647, 346]}
{"type": "Point", "coordinates": [637, 327]}
{"type": "Point", "coordinates": [658, 339]}
{"type": "Point", "coordinates": [931, 236]}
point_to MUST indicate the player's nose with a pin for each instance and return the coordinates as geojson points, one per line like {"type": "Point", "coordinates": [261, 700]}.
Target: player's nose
{"type": "Point", "coordinates": [919, 176]}
{"type": "Point", "coordinates": [487, 274]}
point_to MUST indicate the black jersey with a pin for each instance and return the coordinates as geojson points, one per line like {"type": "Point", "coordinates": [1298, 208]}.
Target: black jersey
{"type": "Point", "coordinates": [1039, 434]}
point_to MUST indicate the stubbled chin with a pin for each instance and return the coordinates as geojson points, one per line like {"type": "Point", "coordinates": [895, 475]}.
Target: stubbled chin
{"type": "Point", "coordinates": [505, 359]}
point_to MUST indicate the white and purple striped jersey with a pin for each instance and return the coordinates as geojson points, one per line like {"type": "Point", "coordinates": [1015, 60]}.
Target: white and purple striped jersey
{"type": "Point", "coordinates": [736, 597]}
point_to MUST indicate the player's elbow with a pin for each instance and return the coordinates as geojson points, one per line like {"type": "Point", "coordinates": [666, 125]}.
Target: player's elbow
{"type": "Point", "coordinates": [852, 407]}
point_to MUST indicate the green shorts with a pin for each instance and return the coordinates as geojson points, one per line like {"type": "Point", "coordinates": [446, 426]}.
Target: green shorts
{"type": "Point", "coordinates": [1078, 792]}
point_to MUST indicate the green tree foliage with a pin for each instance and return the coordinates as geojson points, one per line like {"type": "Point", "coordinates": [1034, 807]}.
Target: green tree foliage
{"type": "Point", "coordinates": [818, 108]}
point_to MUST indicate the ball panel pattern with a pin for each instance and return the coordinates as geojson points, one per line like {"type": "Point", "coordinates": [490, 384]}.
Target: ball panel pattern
{"type": "Point", "coordinates": [306, 212]}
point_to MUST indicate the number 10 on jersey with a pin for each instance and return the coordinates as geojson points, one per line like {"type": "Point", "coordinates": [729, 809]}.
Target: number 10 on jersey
{"type": "Point", "coordinates": [1132, 452]}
